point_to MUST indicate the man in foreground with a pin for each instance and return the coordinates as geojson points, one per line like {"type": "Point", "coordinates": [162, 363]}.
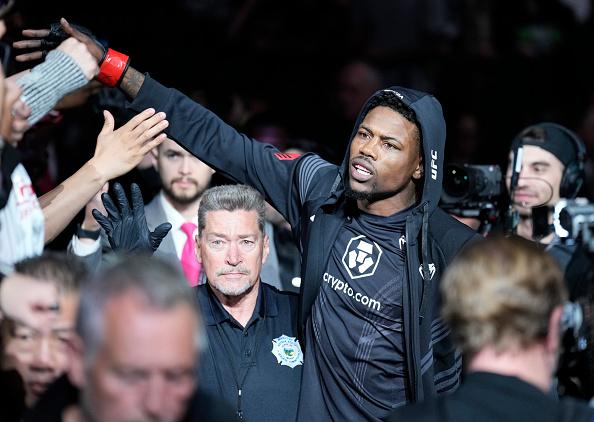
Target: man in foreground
{"type": "Point", "coordinates": [135, 357]}
{"type": "Point", "coordinates": [503, 299]}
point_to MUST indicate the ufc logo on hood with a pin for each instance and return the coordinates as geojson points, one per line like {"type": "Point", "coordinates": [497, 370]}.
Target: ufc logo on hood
{"type": "Point", "coordinates": [434, 164]}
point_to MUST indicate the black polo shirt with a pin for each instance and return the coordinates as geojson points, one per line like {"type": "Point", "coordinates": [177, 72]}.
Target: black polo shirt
{"type": "Point", "coordinates": [263, 360]}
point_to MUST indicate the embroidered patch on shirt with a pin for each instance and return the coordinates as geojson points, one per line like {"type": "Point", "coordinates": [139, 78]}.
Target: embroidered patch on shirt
{"type": "Point", "coordinates": [286, 156]}
{"type": "Point", "coordinates": [287, 351]}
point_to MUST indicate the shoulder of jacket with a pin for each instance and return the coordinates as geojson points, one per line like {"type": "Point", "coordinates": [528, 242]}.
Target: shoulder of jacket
{"type": "Point", "coordinates": [445, 227]}
{"type": "Point", "coordinates": [317, 177]}
{"type": "Point", "coordinates": [449, 235]}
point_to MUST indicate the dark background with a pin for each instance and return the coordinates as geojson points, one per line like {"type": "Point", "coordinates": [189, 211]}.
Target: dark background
{"type": "Point", "coordinates": [496, 66]}
{"type": "Point", "coordinates": [505, 63]}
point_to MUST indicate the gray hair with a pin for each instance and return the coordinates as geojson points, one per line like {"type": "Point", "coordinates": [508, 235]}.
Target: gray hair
{"type": "Point", "coordinates": [160, 283]}
{"type": "Point", "coordinates": [231, 198]}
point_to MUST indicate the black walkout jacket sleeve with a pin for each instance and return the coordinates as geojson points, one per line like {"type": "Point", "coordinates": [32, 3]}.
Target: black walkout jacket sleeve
{"type": "Point", "coordinates": [231, 153]}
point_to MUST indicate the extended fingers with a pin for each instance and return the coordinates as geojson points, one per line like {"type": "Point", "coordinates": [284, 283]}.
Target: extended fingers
{"type": "Point", "coordinates": [153, 143]}
{"type": "Point", "coordinates": [122, 200]}
{"type": "Point", "coordinates": [27, 57]}
{"type": "Point", "coordinates": [103, 221]}
{"type": "Point", "coordinates": [150, 131]}
{"type": "Point", "coordinates": [36, 33]}
{"type": "Point", "coordinates": [69, 29]}
{"type": "Point", "coordinates": [112, 211]}
{"type": "Point", "coordinates": [138, 119]}
{"type": "Point", "coordinates": [158, 234]}
{"type": "Point", "coordinates": [149, 123]}
{"type": "Point", "coordinates": [137, 202]}
{"type": "Point", "coordinates": [27, 44]}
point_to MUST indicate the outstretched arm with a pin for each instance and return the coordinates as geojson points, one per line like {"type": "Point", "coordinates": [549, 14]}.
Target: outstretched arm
{"type": "Point", "coordinates": [44, 40]}
{"type": "Point", "coordinates": [207, 137]}
{"type": "Point", "coordinates": [132, 79]}
{"type": "Point", "coordinates": [117, 152]}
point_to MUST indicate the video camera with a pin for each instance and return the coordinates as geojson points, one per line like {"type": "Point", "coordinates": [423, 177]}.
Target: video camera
{"type": "Point", "coordinates": [472, 191]}
{"type": "Point", "coordinates": [573, 221]}
{"type": "Point", "coordinates": [575, 372]}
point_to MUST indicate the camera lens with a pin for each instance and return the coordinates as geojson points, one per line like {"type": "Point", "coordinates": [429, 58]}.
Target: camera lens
{"type": "Point", "coordinates": [456, 181]}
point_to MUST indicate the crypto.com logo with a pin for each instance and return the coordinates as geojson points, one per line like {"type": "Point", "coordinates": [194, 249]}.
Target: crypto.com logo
{"type": "Point", "coordinates": [361, 257]}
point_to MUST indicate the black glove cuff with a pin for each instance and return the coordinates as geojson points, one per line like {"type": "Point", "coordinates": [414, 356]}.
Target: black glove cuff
{"type": "Point", "coordinates": [87, 234]}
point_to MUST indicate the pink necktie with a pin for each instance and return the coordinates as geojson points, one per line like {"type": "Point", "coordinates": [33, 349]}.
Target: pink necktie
{"type": "Point", "coordinates": [189, 262]}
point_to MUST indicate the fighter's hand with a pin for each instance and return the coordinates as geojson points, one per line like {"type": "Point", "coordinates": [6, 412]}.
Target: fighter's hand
{"type": "Point", "coordinates": [42, 42]}
{"type": "Point", "coordinates": [45, 40]}
{"type": "Point", "coordinates": [119, 151]}
{"type": "Point", "coordinates": [95, 47]}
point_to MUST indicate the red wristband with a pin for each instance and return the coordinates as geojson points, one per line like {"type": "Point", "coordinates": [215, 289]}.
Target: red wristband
{"type": "Point", "coordinates": [113, 68]}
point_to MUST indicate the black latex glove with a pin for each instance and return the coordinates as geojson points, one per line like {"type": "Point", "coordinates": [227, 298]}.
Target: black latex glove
{"type": "Point", "coordinates": [126, 227]}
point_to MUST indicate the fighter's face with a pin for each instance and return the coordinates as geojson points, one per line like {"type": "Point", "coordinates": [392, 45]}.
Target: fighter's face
{"type": "Point", "coordinates": [385, 156]}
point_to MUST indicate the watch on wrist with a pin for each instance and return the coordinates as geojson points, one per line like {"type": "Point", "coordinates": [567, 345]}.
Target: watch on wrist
{"type": "Point", "coordinates": [87, 234]}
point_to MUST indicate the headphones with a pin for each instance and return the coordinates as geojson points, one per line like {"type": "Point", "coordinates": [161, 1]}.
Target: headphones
{"type": "Point", "coordinates": [573, 175]}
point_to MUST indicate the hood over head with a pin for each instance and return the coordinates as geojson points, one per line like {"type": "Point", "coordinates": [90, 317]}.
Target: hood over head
{"type": "Point", "coordinates": [432, 129]}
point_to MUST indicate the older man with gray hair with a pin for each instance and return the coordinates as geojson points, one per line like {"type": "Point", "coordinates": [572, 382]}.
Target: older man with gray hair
{"type": "Point", "coordinates": [140, 335]}
{"type": "Point", "coordinates": [254, 359]}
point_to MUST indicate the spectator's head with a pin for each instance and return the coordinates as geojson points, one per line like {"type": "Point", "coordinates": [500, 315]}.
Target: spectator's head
{"type": "Point", "coordinates": [139, 338]}
{"type": "Point", "coordinates": [504, 294]}
{"type": "Point", "coordinates": [552, 166]}
{"type": "Point", "coordinates": [183, 176]}
{"type": "Point", "coordinates": [385, 152]}
{"type": "Point", "coordinates": [40, 354]}
{"type": "Point", "coordinates": [231, 244]}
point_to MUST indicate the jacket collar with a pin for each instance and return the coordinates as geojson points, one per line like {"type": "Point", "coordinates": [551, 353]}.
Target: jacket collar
{"type": "Point", "coordinates": [214, 313]}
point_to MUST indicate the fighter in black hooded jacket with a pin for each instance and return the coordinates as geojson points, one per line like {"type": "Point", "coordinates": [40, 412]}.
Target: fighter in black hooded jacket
{"type": "Point", "coordinates": [371, 261]}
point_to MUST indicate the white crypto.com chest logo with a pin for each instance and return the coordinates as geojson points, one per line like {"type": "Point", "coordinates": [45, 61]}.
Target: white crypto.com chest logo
{"type": "Point", "coordinates": [361, 257]}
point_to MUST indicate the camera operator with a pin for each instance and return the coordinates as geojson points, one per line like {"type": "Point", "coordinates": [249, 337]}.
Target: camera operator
{"type": "Point", "coordinates": [546, 164]}
{"type": "Point", "coordinates": [503, 299]}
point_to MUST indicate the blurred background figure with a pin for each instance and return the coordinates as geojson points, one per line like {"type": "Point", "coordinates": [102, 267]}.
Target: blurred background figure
{"type": "Point", "coordinates": [39, 351]}
{"type": "Point", "coordinates": [503, 300]}
{"type": "Point", "coordinates": [138, 341]}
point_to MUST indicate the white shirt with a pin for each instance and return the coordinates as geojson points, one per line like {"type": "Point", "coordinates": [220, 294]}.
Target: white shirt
{"type": "Point", "coordinates": [176, 220]}
{"type": "Point", "coordinates": [21, 222]}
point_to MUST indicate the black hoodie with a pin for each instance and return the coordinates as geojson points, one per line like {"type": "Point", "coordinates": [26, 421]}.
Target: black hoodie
{"type": "Point", "coordinates": [309, 193]}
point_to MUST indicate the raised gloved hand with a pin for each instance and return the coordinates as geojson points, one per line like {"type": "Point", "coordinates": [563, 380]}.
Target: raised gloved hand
{"type": "Point", "coordinates": [126, 227]}
{"type": "Point", "coordinates": [46, 40]}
